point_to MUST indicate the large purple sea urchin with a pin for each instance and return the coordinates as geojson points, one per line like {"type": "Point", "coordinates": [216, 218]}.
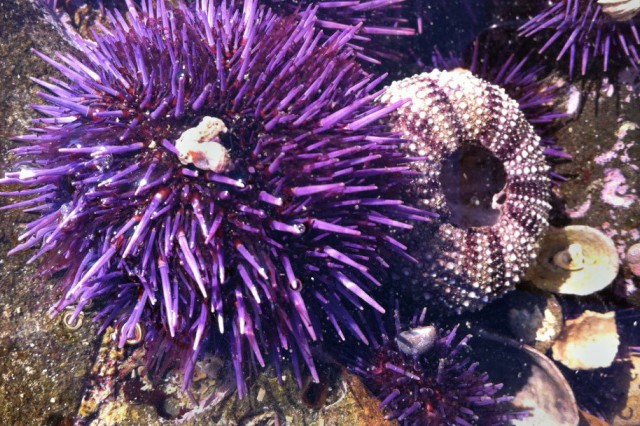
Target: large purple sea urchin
{"type": "Point", "coordinates": [216, 174]}
{"type": "Point", "coordinates": [484, 173]}
{"type": "Point", "coordinates": [425, 377]}
{"type": "Point", "coordinates": [375, 19]}
{"type": "Point", "coordinates": [589, 29]}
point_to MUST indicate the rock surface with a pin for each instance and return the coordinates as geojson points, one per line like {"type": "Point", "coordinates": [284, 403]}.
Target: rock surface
{"type": "Point", "coordinates": [43, 364]}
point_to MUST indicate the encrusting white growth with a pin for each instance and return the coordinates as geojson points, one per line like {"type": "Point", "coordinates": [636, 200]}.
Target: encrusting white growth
{"type": "Point", "coordinates": [201, 146]}
{"type": "Point", "coordinates": [620, 10]}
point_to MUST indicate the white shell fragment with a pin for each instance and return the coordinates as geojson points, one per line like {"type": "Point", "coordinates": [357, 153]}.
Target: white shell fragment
{"type": "Point", "coordinates": [201, 146]}
{"type": "Point", "coordinates": [576, 260]}
{"type": "Point", "coordinates": [417, 341]}
{"type": "Point", "coordinates": [588, 342]}
{"type": "Point", "coordinates": [620, 10]}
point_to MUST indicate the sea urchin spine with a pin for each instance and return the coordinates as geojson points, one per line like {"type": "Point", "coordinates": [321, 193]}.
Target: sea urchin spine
{"type": "Point", "coordinates": [217, 174]}
{"type": "Point", "coordinates": [589, 29]}
{"type": "Point", "coordinates": [425, 377]}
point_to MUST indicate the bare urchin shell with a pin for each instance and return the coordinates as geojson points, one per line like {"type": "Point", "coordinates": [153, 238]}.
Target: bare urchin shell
{"type": "Point", "coordinates": [483, 173]}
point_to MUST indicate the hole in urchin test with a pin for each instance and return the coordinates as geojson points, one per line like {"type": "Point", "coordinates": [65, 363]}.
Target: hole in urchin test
{"type": "Point", "coordinates": [470, 178]}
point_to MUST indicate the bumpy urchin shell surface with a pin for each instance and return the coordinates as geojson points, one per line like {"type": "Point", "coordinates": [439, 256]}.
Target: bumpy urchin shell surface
{"type": "Point", "coordinates": [539, 97]}
{"type": "Point", "coordinates": [283, 230]}
{"type": "Point", "coordinates": [483, 171]}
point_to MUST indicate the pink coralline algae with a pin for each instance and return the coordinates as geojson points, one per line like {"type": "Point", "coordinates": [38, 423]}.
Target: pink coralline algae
{"type": "Point", "coordinates": [217, 174]}
{"type": "Point", "coordinates": [483, 171]}
{"type": "Point", "coordinates": [615, 190]}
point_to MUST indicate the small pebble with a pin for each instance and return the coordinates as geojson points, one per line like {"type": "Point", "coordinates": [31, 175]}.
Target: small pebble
{"type": "Point", "coordinates": [633, 259]}
{"type": "Point", "coordinates": [577, 259]}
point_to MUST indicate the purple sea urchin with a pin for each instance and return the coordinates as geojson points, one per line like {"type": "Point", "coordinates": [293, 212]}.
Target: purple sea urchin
{"type": "Point", "coordinates": [484, 173]}
{"type": "Point", "coordinates": [589, 29]}
{"type": "Point", "coordinates": [373, 18]}
{"type": "Point", "coordinates": [217, 174]}
{"type": "Point", "coordinates": [435, 385]}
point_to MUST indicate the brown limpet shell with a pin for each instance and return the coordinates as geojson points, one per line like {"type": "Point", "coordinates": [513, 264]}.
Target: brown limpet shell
{"type": "Point", "coordinates": [577, 260]}
{"type": "Point", "coordinates": [588, 342]}
{"type": "Point", "coordinates": [483, 172]}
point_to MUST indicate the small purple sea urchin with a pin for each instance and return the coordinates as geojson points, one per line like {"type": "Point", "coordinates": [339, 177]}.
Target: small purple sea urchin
{"type": "Point", "coordinates": [424, 377]}
{"type": "Point", "coordinates": [484, 173]}
{"type": "Point", "coordinates": [217, 174]}
{"type": "Point", "coordinates": [589, 29]}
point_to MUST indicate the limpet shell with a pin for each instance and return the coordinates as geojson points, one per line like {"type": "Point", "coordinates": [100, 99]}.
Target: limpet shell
{"type": "Point", "coordinates": [588, 342]}
{"type": "Point", "coordinates": [417, 341]}
{"type": "Point", "coordinates": [576, 260]}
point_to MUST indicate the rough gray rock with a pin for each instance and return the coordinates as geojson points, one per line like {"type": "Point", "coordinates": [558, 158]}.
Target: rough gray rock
{"type": "Point", "coordinates": [42, 364]}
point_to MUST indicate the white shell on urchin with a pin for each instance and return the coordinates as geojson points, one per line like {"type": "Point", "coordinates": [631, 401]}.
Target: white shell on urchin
{"type": "Point", "coordinates": [484, 174]}
{"type": "Point", "coordinates": [201, 146]}
{"type": "Point", "coordinates": [417, 341]}
{"type": "Point", "coordinates": [620, 10]}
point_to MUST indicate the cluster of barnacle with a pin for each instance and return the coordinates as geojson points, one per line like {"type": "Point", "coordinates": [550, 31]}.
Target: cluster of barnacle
{"type": "Point", "coordinates": [231, 175]}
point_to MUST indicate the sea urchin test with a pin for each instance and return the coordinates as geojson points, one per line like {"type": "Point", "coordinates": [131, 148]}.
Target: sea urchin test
{"type": "Point", "coordinates": [484, 173]}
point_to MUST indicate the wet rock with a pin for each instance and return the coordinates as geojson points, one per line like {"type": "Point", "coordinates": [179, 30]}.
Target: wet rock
{"type": "Point", "coordinates": [23, 26]}
{"type": "Point", "coordinates": [630, 414]}
{"type": "Point", "coordinates": [588, 342]}
{"type": "Point", "coordinates": [43, 364]}
{"type": "Point", "coordinates": [535, 318]}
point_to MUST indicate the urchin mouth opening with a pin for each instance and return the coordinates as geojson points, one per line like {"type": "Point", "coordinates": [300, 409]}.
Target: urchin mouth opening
{"type": "Point", "coordinates": [473, 181]}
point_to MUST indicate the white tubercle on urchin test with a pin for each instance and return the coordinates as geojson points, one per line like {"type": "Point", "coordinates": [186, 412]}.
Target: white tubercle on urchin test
{"type": "Point", "coordinates": [620, 10]}
{"type": "Point", "coordinates": [201, 146]}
